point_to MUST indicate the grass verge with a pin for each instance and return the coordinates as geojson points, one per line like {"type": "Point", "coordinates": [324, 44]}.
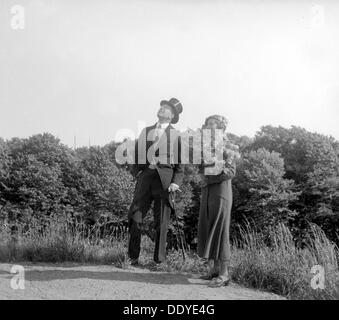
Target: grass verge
{"type": "Point", "coordinates": [281, 268]}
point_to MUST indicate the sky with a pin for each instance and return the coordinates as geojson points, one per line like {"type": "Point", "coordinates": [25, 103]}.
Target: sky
{"type": "Point", "coordinates": [97, 70]}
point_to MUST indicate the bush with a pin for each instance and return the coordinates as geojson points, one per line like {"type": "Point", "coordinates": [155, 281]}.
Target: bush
{"type": "Point", "coordinates": [40, 177]}
{"type": "Point", "coordinates": [107, 189]}
{"type": "Point", "coordinates": [261, 193]}
{"type": "Point", "coordinates": [311, 160]}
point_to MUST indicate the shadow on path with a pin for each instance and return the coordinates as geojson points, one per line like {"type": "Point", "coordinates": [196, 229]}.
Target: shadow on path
{"type": "Point", "coordinates": [157, 278]}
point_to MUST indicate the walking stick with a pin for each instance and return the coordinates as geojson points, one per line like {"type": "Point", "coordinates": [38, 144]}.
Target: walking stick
{"type": "Point", "coordinates": [177, 224]}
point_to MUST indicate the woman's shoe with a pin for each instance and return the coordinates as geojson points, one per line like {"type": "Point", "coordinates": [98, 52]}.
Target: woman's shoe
{"type": "Point", "coordinates": [208, 276]}
{"type": "Point", "coordinates": [219, 282]}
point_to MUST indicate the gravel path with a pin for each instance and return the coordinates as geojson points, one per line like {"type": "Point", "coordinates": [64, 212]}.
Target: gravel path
{"type": "Point", "coordinates": [74, 281]}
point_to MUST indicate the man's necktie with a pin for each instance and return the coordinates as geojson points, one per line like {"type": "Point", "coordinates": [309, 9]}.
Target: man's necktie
{"type": "Point", "coordinates": [155, 143]}
{"type": "Point", "coordinates": [157, 133]}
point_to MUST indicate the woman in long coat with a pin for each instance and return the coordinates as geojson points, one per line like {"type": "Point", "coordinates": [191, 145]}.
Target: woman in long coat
{"type": "Point", "coordinates": [215, 212]}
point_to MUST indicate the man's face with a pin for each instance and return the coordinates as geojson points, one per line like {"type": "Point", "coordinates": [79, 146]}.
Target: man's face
{"type": "Point", "coordinates": [165, 113]}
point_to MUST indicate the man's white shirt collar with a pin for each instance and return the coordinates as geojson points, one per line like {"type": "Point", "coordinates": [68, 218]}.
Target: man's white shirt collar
{"type": "Point", "coordinates": [162, 126]}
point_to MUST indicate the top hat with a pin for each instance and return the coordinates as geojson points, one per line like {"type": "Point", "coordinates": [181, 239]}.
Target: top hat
{"type": "Point", "coordinates": [176, 106]}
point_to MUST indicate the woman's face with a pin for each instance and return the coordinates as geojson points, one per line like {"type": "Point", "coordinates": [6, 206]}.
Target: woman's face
{"type": "Point", "coordinates": [212, 124]}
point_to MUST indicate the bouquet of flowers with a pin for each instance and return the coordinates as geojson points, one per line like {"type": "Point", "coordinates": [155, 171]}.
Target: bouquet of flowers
{"type": "Point", "coordinates": [229, 153]}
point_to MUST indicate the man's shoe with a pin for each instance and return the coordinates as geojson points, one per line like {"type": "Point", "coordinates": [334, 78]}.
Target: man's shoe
{"type": "Point", "coordinates": [134, 262]}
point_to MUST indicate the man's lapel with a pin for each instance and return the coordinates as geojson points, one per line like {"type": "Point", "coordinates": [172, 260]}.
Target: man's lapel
{"type": "Point", "coordinates": [150, 135]}
{"type": "Point", "coordinates": [165, 138]}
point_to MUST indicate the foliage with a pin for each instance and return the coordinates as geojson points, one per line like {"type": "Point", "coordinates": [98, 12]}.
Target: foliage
{"type": "Point", "coordinates": [39, 177]}
{"type": "Point", "coordinates": [287, 175]}
{"type": "Point", "coordinates": [262, 193]}
{"type": "Point", "coordinates": [311, 160]}
{"type": "Point", "coordinates": [107, 189]}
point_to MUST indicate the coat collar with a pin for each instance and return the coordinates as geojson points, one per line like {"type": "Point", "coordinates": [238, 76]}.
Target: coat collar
{"type": "Point", "coordinates": [166, 132]}
{"type": "Point", "coordinates": [167, 128]}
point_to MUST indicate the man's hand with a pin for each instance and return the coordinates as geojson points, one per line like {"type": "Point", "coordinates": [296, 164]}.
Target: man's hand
{"type": "Point", "coordinates": [173, 187]}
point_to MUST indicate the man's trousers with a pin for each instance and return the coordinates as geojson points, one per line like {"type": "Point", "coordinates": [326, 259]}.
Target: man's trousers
{"type": "Point", "coordinates": [149, 189]}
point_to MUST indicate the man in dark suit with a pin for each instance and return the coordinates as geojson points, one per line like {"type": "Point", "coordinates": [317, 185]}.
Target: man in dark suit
{"type": "Point", "coordinates": [159, 171]}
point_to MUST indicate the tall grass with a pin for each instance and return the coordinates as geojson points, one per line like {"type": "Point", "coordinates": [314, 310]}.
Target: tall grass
{"type": "Point", "coordinates": [280, 267]}
{"type": "Point", "coordinates": [61, 241]}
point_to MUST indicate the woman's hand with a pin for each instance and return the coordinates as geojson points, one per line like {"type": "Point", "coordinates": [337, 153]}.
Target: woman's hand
{"type": "Point", "coordinates": [173, 187]}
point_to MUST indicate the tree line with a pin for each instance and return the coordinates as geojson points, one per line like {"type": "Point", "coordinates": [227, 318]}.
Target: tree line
{"type": "Point", "coordinates": [285, 175]}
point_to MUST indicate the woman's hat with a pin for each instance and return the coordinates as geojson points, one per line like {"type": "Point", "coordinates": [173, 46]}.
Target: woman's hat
{"type": "Point", "coordinates": [223, 122]}
{"type": "Point", "coordinates": [176, 106]}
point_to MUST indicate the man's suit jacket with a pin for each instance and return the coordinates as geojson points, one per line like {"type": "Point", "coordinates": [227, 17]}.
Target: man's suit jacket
{"type": "Point", "coordinates": [168, 152]}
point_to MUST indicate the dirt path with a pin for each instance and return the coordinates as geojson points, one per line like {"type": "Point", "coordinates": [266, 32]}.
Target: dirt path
{"type": "Point", "coordinates": [74, 281]}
